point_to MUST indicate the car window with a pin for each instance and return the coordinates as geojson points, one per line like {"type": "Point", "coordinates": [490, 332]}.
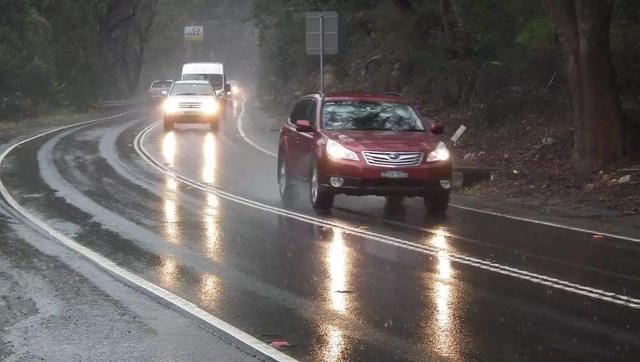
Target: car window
{"type": "Point", "coordinates": [371, 116]}
{"type": "Point", "coordinates": [299, 111]}
{"type": "Point", "coordinates": [310, 111]}
{"type": "Point", "coordinates": [163, 84]}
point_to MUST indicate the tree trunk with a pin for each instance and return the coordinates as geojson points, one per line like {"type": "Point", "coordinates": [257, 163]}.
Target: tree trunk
{"type": "Point", "coordinates": [452, 29]}
{"type": "Point", "coordinates": [582, 29]}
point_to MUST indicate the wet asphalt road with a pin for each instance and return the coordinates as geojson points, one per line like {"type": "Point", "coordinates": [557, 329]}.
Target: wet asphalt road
{"type": "Point", "coordinates": [366, 282]}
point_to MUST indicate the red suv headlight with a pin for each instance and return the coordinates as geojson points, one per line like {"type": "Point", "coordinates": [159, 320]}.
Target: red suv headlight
{"type": "Point", "coordinates": [337, 151]}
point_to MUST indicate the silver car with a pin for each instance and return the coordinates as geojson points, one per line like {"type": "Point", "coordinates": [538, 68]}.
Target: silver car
{"type": "Point", "coordinates": [157, 88]}
{"type": "Point", "coordinates": [191, 101]}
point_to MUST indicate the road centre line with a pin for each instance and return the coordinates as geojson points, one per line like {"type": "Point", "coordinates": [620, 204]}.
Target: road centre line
{"type": "Point", "coordinates": [479, 263]}
{"type": "Point", "coordinates": [244, 136]}
{"type": "Point", "coordinates": [462, 207]}
{"type": "Point", "coordinates": [161, 295]}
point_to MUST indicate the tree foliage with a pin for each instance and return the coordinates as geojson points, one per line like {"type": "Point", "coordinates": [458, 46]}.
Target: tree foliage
{"type": "Point", "coordinates": [76, 52]}
{"type": "Point", "coordinates": [66, 51]}
{"type": "Point", "coordinates": [494, 59]}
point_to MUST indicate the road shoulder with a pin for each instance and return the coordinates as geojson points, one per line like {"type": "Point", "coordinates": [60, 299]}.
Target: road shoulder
{"type": "Point", "coordinates": [54, 304]}
{"type": "Point", "coordinates": [591, 219]}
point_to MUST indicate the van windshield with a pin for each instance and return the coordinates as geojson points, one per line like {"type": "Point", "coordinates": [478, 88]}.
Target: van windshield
{"type": "Point", "coordinates": [216, 80]}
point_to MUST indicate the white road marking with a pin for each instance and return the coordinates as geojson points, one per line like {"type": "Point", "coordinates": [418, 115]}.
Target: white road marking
{"type": "Point", "coordinates": [130, 278]}
{"type": "Point", "coordinates": [462, 259]}
{"type": "Point", "coordinates": [244, 136]}
{"type": "Point", "coordinates": [546, 223]}
{"type": "Point", "coordinates": [467, 208]}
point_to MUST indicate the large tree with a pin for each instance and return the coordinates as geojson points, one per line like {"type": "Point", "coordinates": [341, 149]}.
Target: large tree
{"type": "Point", "coordinates": [582, 30]}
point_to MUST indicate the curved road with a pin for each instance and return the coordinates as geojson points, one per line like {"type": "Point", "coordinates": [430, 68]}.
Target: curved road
{"type": "Point", "coordinates": [198, 214]}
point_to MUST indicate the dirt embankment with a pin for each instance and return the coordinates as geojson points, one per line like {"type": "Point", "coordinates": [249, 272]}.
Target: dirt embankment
{"type": "Point", "coordinates": [531, 153]}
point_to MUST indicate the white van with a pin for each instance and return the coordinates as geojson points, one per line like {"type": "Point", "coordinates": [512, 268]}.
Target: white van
{"type": "Point", "coordinates": [213, 72]}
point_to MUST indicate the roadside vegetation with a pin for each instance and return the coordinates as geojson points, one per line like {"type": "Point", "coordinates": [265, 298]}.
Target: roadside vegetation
{"type": "Point", "coordinates": [556, 118]}
{"type": "Point", "coordinates": [553, 107]}
{"type": "Point", "coordinates": [73, 54]}
{"type": "Point", "coordinates": [54, 119]}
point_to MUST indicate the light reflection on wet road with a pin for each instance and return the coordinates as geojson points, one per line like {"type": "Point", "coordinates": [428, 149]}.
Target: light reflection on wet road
{"type": "Point", "coordinates": [444, 296]}
{"type": "Point", "coordinates": [338, 296]}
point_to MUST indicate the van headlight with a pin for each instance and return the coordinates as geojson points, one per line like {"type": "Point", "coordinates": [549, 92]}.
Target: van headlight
{"type": "Point", "coordinates": [440, 153]}
{"type": "Point", "coordinates": [337, 151]}
{"type": "Point", "coordinates": [210, 107]}
{"type": "Point", "coordinates": [170, 106]}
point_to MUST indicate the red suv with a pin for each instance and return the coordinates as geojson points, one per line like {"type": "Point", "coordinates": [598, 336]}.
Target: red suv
{"type": "Point", "coordinates": [363, 144]}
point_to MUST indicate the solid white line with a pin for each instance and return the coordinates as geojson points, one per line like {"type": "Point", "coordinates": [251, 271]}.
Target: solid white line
{"type": "Point", "coordinates": [129, 277]}
{"type": "Point", "coordinates": [467, 208]}
{"type": "Point", "coordinates": [244, 136]}
{"type": "Point", "coordinates": [479, 263]}
{"type": "Point", "coordinates": [547, 223]}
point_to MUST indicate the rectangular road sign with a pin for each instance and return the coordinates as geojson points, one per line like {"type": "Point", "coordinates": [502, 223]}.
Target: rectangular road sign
{"type": "Point", "coordinates": [312, 32]}
{"type": "Point", "coordinates": [194, 33]}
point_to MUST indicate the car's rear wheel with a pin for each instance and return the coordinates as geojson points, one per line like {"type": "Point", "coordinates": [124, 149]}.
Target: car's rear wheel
{"type": "Point", "coordinates": [285, 186]}
{"type": "Point", "coordinates": [214, 126]}
{"type": "Point", "coordinates": [320, 199]}
{"type": "Point", "coordinates": [168, 125]}
{"type": "Point", "coordinates": [437, 203]}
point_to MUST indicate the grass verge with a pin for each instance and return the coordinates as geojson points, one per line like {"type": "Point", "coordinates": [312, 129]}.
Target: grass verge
{"type": "Point", "coordinates": [61, 118]}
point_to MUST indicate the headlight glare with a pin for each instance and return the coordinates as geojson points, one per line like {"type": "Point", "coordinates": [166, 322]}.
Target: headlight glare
{"type": "Point", "coordinates": [337, 151]}
{"type": "Point", "coordinates": [170, 106]}
{"type": "Point", "coordinates": [440, 153]}
{"type": "Point", "coordinates": [210, 107]}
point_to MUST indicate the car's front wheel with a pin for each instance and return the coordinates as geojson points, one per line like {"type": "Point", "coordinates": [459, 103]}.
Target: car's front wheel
{"type": "Point", "coordinates": [437, 203]}
{"type": "Point", "coordinates": [285, 186]}
{"type": "Point", "coordinates": [320, 199]}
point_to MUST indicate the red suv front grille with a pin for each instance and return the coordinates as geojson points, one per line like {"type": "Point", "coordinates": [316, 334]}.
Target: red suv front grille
{"type": "Point", "coordinates": [393, 159]}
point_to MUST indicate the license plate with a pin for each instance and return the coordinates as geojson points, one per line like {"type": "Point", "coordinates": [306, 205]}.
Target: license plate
{"type": "Point", "coordinates": [190, 113]}
{"type": "Point", "coordinates": [394, 174]}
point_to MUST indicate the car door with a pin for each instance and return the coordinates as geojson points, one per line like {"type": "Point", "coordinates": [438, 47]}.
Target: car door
{"type": "Point", "coordinates": [290, 148]}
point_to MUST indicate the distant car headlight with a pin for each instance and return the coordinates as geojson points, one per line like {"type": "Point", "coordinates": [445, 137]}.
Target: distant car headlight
{"type": "Point", "coordinates": [210, 107]}
{"type": "Point", "coordinates": [337, 151]}
{"type": "Point", "coordinates": [441, 153]}
{"type": "Point", "coordinates": [170, 106]}
{"type": "Point", "coordinates": [235, 89]}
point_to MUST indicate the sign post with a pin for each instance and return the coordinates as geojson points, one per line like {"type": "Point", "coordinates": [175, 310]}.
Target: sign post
{"type": "Point", "coordinates": [322, 53]}
{"type": "Point", "coordinates": [321, 33]}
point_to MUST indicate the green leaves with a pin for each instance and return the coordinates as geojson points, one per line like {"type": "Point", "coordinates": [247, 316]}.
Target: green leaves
{"type": "Point", "coordinates": [537, 34]}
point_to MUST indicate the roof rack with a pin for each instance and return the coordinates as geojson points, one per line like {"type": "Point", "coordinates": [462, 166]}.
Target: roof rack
{"type": "Point", "coordinates": [395, 94]}
{"type": "Point", "coordinates": [318, 93]}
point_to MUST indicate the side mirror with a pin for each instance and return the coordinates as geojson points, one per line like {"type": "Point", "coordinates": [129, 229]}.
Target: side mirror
{"type": "Point", "coordinates": [164, 93]}
{"type": "Point", "coordinates": [437, 128]}
{"type": "Point", "coordinates": [227, 88]}
{"type": "Point", "coordinates": [303, 125]}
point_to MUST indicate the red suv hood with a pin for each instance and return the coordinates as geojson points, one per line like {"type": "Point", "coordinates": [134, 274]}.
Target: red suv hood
{"type": "Point", "coordinates": [385, 141]}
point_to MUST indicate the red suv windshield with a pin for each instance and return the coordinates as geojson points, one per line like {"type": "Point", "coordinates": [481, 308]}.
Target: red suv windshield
{"type": "Point", "coordinates": [368, 115]}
